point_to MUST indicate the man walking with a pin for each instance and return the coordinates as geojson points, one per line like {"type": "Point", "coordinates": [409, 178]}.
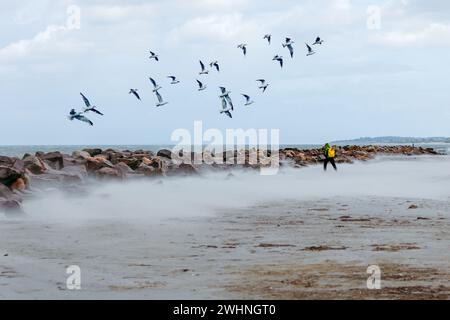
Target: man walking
{"type": "Point", "coordinates": [330, 154]}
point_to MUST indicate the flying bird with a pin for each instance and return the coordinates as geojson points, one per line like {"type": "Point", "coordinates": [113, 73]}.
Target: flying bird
{"type": "Point", "coordinates": [153, 56]}
{"type": "Point", "coordinates": [174, 80]}
{"type": "Point", "coordinates": [248, 101]}
{"type": "Point", "coordinates": [225, 108]}
{"type": "Point", "coordinates": [160, 100]}
{"type": "Point", "coordinates": [263, 85]}
{"type": "Point", "coordinates": [89, 107]}
{"type": "Point", "coordinates": [318, 41]}
{"type": "Point", "coordinates": [79, 116]}
{"type": "Point", "coordinates": [310, 50]}
{"type": "Point", "coordinates": [201, 86]}
{"type": "Point", "coordinates": [156, 86]}
{"type": "Point", "coordinates": [215, 64]}
{"type": "Point", "coordinates": [289, 44]}
{"type": "Point", "coordinates": [243, 46]}
{"type": "Point", "coordinates": [279, 59]}
{"type": "Point", "coordinates": [134, 91]}
{"type": "Point", "coordinates": [226, 95]}
{"type": "Point", "coordinates": [204, 71]}
{"type": "Point", "coordinates": [268, 37]}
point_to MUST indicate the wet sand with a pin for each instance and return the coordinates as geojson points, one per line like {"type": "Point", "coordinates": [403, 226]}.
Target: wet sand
{"type": "Point", "coordinates": [300, 249]}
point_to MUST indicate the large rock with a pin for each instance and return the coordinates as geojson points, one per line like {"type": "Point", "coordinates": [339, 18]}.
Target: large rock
{"type": "Point", "coordinates": [96, 163]}
{"type": "Point", "coordinates": [107, 172]}
{"type": "Point", "coordinates": [93, 152]}
{"type": "Point", "coordinates": [54, 159]}
{"type": "Point", "coordinates": [83, 155]}
{"type": "Point", "coordinates": [34, 164]}
{"type": "Point", "coordinates": [165, 153]}
{"type": "Point", "coordinates": [11, 169]}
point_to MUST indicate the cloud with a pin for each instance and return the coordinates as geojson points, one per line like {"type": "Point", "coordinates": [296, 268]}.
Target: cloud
{"type": "Point", "coordinates": [213, 27]}
{"type": "Point", "coordinates": [23, 48]}
{"type": "Point", "coordinates": [433, 34]}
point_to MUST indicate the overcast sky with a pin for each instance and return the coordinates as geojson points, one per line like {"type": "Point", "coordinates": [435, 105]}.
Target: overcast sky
{"type": "Point", "coordinates": [363, 81]}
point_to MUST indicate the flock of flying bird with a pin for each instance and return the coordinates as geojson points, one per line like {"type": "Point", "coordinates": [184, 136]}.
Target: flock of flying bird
{"type": "Point", "coordinates": [227, 103]}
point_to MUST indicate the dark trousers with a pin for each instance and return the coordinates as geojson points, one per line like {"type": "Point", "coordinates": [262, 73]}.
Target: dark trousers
{"type": "Point", "coordinates": [330, 160]}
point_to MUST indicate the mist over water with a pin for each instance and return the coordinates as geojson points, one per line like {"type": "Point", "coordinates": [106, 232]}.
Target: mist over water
{"type": "Point", "coordinates": [179, 197]}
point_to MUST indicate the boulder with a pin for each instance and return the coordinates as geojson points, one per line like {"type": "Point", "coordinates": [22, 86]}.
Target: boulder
{"type": "Point", "coordinates": [96, 163]}
{"type": "Point", "coordinates": [34, 164]}
{"type": "Point", "coordinates": [54, 159]}
{"type": "Point", "coordinates": [131, 162]}
{"type": "Point", "coordinates": [18, 185]}
{"type": "Point", "coordinates": [11, 169]}
{"type": "Point", "coordinates": [165, 153]}
{"type": "Point", "coordinates": [93, 152]}
{"type": "Point", "coordinates": [107, 172]}
{"type": "Point", "coordinates": [123, 168]}
{"type": "Point", "coordinates": [81, 155]}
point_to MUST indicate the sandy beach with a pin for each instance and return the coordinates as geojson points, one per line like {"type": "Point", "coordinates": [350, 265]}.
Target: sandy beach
{"type": "Point", "coordinates": [302, 234]}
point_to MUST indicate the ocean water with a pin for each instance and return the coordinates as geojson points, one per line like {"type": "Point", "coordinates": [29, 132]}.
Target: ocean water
{"type": "Point", "coordinates": [20, 150]}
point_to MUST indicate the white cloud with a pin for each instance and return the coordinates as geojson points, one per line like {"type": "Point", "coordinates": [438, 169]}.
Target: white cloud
{"type": "Point", "coordinates": [214, 27]}
{"type": "Point", "coordinates": [434, 33]}
{"type": "Point", "coordinates": [23, 48]}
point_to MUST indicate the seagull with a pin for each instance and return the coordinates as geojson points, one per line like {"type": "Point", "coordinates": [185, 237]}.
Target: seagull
{"type": "Point", "coordinates": [248, 101]}
{"type": "Point", "coordinates": [201, 86]}
{"type": "Point", "coordinates": [174, 80]}
{"type": "Point", "coordinates": [134, 91]}
{"type": "Point", "coordinates": [310, 50]}
{"type": "Point", "coordinates": [243, 46]}
{"type": "Point", "coordinates": [289, 44]}
{"type": "Point", "coordinates": [89, 107]}
{"type": "Point", "coordinates": [263, 85]}
{"type": "Point", "coordinates": [154, 56]}
{"type": "Point", "coordinates": [279, 59]}
{"type": "Point", "coordinates": [156, 86]}
{"type": "Point", "coordinates": [226, 95]}
{"type": "Point", "coordinates": [160, 100]}
{"type": "Point", "coordinates": [215, 64]}
{"type": "Point", "coordinates": [79, 116]}
{"type": "Point", "coordinates": [225, 108]}
{"type": "Point", "coordinates": [318, 41]}
{"type": "Point", "coordinates": [203, 68]}
{"type": "Point", "coordinates": [268, 37]}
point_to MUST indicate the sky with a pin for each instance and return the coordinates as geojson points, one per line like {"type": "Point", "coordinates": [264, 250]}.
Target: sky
{"type": "Point", "coordinates": [382, 69]}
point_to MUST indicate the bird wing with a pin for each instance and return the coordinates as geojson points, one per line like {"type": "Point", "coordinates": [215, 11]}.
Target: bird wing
{"type": "Point", "coordinates": [223, 89]}
{"type": "Point", "coordinates": [172, 77]}
{"type": "Point", "coordinates": [262, 81]}
{"type": "Point", "coordinates": [246, 97]}
{"type": "Point", "coordinates": [224, 104]}
{"type": "Point", "coordinates": [153, 82]}
{"type": "Point", "coordinates": [136, 94]}
{"type": "Point", "coordinates": [281, 62]}
{"type": "Point", "coordinates": [217, 66]}
{"type": "Point", "coordinates": [86, 101]}
{"type": "Point", "coordinates": [288, 40]}
{"type": "Point", "coordinates": [228, 113]}
{"type": "Point", "coordinates": [291, 50]}
{"type": "Point", "coordinates": [160, 99]}
{"type": "Point", "coordinates": [202, 65]}
{"type": "Point", "coordinates": [96, 111]}
{"type": "Point", "coordinates": [200, 84]}
{"type": "Point", "coordinates": [245, 50]}
{"type": "Point", "coordinates": [84, 119]}
{"type": "Point", "coordinates": [309, 48]}
{"type": "Point", "coordinates": [229, 101]}
{"type": "Point", "coordinates": [152, 53]}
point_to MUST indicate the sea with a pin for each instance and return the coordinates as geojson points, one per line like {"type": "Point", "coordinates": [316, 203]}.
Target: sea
{"type": "Point", "coordinates": [20, 150]}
